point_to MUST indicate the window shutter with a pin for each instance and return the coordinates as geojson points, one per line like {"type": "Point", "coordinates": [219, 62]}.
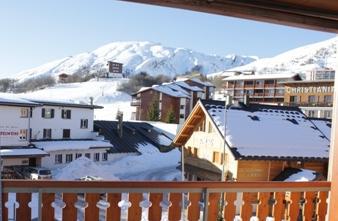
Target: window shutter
{"type": "Point", "coordinates": [69, 114]}
{"type": "Point", "coordinates": [43, 112]}
{"type": "Point", "coordinates": [62, 113]}
{"type": "Point", "coordinates": [52, 113]}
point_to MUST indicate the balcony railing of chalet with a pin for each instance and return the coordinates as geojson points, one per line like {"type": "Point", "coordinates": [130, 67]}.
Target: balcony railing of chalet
{"type": "Point", "coordinates": [134, 201]}
{"type": "Point", "coordinates": [307, 104]}
{"type": "Point", "coordinates": [135, 102]}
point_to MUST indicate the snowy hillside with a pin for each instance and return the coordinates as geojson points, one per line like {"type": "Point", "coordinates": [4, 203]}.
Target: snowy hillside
{"type": "Point", "coordinates": [300, 60]}
{"type": "Point", "coordinates": [152, 58]}
{"type": "Point", "coordinates": [103, 92]}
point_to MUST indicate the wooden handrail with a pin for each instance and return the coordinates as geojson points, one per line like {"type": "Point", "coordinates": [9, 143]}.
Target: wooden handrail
{"type": "Point", "coordinates": [159, 184]}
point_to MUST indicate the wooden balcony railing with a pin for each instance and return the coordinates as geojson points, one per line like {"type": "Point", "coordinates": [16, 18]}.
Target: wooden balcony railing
{"type": "Point", "coordinates": [155, 201]}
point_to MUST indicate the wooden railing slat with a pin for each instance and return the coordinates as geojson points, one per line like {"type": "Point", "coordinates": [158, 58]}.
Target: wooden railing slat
{"type": "Point", "coordinates": [194, 208]}
{"type": "Point", "coordinates": [263, 205]}
{"type": "Point", "coordinates": [4, 208]}
{"type": "Point", "coordinates": [214, 199]}
{"type": "Point", "coordinates": [321, 209]}
{"type": "Point", "coordinates": [135, 211]}
{"type": "Point", "coordinates": [230, 208]}
{"type": "Point", "coordinates": [92, 211]}
{"type": "Point", "coordinates": [47, 209]}
{"type": "Point", "coordinates": [309, 206]}
{"type": "Point", "coordinates": [175, 208]}
{"type": "Point", "coordinates": [24, 211]}
{"type": "Point", "coordinates": [69, 212]}
{"type": "Point", "coordinates": [246, 208]}
{"type": "Point", "coordinates": [278, 209]}
{"type": "Point", "coordinates": [155, 211]}
{"type": "Point", "coordinates": [114, 211]}
{"type": "Point", "coordinates": [294, 205]}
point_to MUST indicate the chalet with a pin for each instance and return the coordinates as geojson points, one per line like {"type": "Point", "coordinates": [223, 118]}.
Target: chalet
{"type": "Point", "coordinates": [208, 87]}
{"type": "Point", "coordinates": [260, 141]}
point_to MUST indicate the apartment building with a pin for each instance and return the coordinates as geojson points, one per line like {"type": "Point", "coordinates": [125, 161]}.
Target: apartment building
{"type": "Point", "coordinates": [56, 131]}
{"type": "Point", "coordinates": [262, 88]}
{"type": "Point", "coordinates": [314, 98]}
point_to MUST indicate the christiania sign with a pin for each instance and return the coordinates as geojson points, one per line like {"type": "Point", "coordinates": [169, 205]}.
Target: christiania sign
{"type": "Point", "coordinates": [6, 131]}
{"type": "Point", "coordinates": [312, 89]}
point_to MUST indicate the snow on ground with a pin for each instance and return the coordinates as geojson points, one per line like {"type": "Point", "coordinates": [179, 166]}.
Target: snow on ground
{"type": "Point", "coordinates": [150, 165]}
{"type": "Point", "coordinates": [104, 93]}
{"type": "Point", "coordinates": [82, 167]}
{"type": "Point", "coordinates": [303, 175]}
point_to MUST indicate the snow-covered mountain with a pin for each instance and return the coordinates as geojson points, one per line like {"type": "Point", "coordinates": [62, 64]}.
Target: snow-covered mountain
{"type": "Point", "coordinates": [152, 58]}
{"type": "Point", "coordinates": [300, 60]}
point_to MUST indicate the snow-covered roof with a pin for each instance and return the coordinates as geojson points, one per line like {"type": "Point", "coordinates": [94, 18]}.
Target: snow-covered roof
{"type": "Point", "coordinates": [8, 99]}
{"type": "Point", "coordinates": [71, 145]}
{"type": "Point", "coordinates": [16, 152]}
{"type": "Point", "coordinates": [324, 125]}
{"type": "Point", "coordinates": [187, 86]}
{"type": "Point", "coordinates": [264, 131]}
{"type": "Point", "coordinates": [166, 89]}
{"type": "Point", "coordinates": [302, 175]}
{"type": "Point", "coordinates": [63, 103]}
{"type": "Point", "coordinates": [261, 76]}
{"type": "Point", "coordinates": [205, 83]}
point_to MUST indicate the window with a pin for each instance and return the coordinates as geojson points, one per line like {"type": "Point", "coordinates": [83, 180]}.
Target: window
{"type": "Point", "coordinates": [97, 157]}
{"type": "Point", "coordinates": [47, 113]}
{"type": "Point", "coordinates": [328, 114]}
{"type": "Point", "coordinates": [69, 158]}
{"type": "Point", "coordinates": [312, 99]}
{"type": "Point", "coordinates": [104, 156]}
{"type": "Point", "coordinates": [66, 134]}
{"type": "Point", "coordinates": [47, 133]}
{"type": "Point", "coordinates": [328, 99]}
{"type": "Point", "coordinates": [215, 157]}
{"type": "Point", "coordinates": [294, 99]}
{"type": "Point", "coordinates": [84, 124]}
{"type": "Point", "coordinates": [87, 155]}
{"type": "Point", "coordinates": [259, 83]}
{"type": "Point", "coordinates": [58, 158]}
{"type": "Point", "coordinates": [182, 116]}
{"type": "Point", "coordinates": [78, 155]}
{"type": "Point", "coordinates": [269, 82]}
{"type": "Point", "coordinates": [23, 134]}
{"type": "Point", "coordinates": [24, 112]}
{"type": "Point", "coordinates": [66, 114]}
{"type": "Point", "coordinates": [181, 107]}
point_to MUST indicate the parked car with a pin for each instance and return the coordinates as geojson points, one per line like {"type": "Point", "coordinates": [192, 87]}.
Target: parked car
{"type": "Point", "coordinates": [38, 173]}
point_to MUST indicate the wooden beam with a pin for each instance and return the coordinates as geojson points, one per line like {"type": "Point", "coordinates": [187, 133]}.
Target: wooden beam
{"type": "Point", "coordinates": [333, 160]}
{"type": "Point", "coordinates": [260, 10]}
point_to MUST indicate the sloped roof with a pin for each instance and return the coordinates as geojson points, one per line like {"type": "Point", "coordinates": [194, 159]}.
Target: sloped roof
{"type": "Point", "coordinates": [266, 132]}
{"type": "Point", "coordinates": [134, 135]}
{"type": "Point", "coordinates": [169, 89]}
{"type": "Point", "coordinates": [57, 145]}
{"type": "Point", "coordinates": [7, 99]}
{"type": "Point", "coordinates": [188, 87]}
{"type": "Point", "coordinates": [324, 125]}
{"type": "Point", "coordinates": [22, 152]}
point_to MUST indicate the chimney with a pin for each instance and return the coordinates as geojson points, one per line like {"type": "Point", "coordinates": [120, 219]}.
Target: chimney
{"type": "Point", "coordinates": [91, 101]}
{"type": "Point", "coordinates": [119, 117]}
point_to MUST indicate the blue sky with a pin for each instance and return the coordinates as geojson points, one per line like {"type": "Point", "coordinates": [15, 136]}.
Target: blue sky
{"type": "Point", "coordinates": [38, 31]}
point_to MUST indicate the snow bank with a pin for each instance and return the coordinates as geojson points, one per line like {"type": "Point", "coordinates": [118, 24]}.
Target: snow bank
{"type": "Point", "coordinates": [83, 167]}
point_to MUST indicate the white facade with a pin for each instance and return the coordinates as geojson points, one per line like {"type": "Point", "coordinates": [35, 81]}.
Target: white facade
{"type": "Point", "coordinates": [11, 124]}
{"type": "Point", "coordinates": [57, 124]}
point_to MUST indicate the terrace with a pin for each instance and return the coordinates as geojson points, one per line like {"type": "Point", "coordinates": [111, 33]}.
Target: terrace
{"type": "Point", "coordinates": [282, 201]}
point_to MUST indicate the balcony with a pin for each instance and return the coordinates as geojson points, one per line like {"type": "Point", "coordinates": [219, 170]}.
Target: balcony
{"type": "Point", "coordinates": [307, 104]}
{"type": "Point", "coordinates": [135, 102]}
{"type": "Point", "coordinates": [101, 200]}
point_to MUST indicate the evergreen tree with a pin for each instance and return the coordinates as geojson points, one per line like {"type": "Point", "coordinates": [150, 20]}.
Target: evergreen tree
{"type": "Point", "coordinates": [153, 112]}
{"type": "Point", "coordinates": [170, 118]}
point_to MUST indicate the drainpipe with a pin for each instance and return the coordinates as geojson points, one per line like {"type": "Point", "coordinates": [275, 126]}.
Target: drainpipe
{"type": "Point", "coordinates": [183, 178]}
